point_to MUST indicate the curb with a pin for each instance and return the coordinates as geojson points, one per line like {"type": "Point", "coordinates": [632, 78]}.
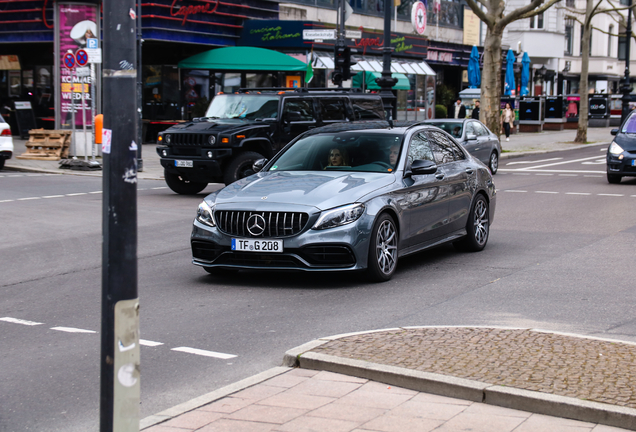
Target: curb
{"type": "Point", "coordinates": [517, 154]}
{"type": "Point", "coordinates": [195, 403]}
{"type": "Point", "coordinates": [461, 388]}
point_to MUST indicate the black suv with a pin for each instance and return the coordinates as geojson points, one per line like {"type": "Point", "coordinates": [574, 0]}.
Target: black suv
{"type": "Point", "coordinates": [251, 124]}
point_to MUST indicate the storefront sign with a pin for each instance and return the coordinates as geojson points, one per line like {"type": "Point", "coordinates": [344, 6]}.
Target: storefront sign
{"type": "Point", "coordinates": [178, 9]}
{"type": "Point", "coordinates": [471, 27]}
{"type": "Point", "coordinates": [9, 62]}
{"type": "Point", "coordinates": [76, 25]}
{"type": "Point", "coordinates": [399, 44]}
{"type": "Point", "coordinates": [418, 17]}
{"type": "Point", "coordinates": [317, 34]}
{"type": "Point", "coordinates": [440, 56]}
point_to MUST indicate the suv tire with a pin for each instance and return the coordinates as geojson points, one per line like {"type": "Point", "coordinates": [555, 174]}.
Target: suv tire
{"type": "Point", "coordinates": [240, 167]}
{"type": "Point", "coordinates": [182, 186]}
{"type": "Point", "coordinates": [613, 178]}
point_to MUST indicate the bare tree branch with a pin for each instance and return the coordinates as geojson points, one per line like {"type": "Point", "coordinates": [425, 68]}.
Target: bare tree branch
{"type": "Point", "coordinates": [480, 13]}
{"type": "Point", "coordinates": [534, 8]}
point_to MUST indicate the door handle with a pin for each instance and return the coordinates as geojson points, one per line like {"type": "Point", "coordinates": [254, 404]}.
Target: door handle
{"type": "Point", "coordinates": [439, 176]}
{"type": "Point", "coordinates": [469, 171]}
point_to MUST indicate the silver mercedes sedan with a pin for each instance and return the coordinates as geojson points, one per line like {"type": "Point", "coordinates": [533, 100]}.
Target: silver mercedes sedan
{"type": "Point", "coordinates": [348, 197]}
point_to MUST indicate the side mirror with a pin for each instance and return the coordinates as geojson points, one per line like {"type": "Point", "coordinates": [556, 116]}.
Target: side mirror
{"type": "Point", "coordinates": [471, 137]}
{"type": "Point", "coordinates": [292, 116]}
{"type": "Point", "coordinates": [423, 167]}
{"type": "Point", "coordinates": [259, 164]}
{"type": "Point", "coordinates": [614, 132]}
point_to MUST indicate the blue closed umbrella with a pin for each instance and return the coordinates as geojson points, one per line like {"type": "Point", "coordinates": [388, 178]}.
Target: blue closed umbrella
{"type": "Point", "coordinates": [510, 73]}
{"type": "Point", "coordinates": [474, 76]}
{"type": "Point", "coordinates": [525, 74]}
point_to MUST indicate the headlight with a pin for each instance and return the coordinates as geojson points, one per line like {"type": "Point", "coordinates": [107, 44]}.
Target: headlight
{"type": "Point", "coordinates": [339, 216]}
{"type": "Point", "coordinates": [204, 214]}
{"type": "Point", "coordinates": [167, 138]}
{"type": "Point", "coordinates": [615, 149]}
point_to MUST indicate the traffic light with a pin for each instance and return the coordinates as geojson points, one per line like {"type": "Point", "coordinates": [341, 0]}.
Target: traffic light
{"type": "Point", "coordinates": [343, 61]}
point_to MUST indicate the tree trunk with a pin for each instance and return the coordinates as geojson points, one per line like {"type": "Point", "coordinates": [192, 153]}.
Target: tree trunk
{"type": "Point", "coordinates": [581, 132]}
{"type": "Point", "coordinates": [491, 82]}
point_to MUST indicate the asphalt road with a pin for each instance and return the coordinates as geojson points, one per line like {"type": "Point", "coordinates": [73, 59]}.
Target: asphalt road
{"type": "Point", "coordinates": [560, 257]}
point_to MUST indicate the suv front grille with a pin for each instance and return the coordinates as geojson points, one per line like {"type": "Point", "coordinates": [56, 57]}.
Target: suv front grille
{"type": "Point", "coordinates": [272, 224]}
{"type": "Point", "coordinates": [189, 139]}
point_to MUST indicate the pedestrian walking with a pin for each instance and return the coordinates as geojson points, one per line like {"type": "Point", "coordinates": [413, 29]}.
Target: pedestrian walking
{"type": "Point", "coordinates": [507, 118]}
{"type": "Point", "coordinates": [475, 114]}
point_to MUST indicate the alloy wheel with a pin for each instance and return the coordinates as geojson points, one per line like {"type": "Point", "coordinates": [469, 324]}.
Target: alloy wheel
{"type": "Point", "coordinates": [386, 247]}
{"type": "Point", "coordinates": [481, 222]}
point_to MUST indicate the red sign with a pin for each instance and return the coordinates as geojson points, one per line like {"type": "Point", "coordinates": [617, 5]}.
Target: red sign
{"type": "Point", "coordinates": [82, 57]}
{"type": "Point", "coordinates": [69, 60]}
{"type": "Point", "coordinates": [185, 11]}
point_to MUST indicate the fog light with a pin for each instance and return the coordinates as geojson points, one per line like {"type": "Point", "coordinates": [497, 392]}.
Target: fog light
{"type": "Point", "coordinates": [210, 154]}
{"type": "Point", "coordinates": [620, 157]}
{"type": "Point", "coordinates": [164, 153]}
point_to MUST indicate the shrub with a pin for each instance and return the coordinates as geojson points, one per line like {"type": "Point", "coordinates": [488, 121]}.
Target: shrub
{"type": "Point", "coordinates": [440, 111]}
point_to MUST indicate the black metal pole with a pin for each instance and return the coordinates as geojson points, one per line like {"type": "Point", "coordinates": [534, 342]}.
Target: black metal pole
{"type": "Point", "coordinates": [386, 82]}
{"type": "Point", "coordinates": [626, 87]}
{"type": "Point", "coordinates": [140, 137]}
{"type": "Point", "coordinates": [119, 359]}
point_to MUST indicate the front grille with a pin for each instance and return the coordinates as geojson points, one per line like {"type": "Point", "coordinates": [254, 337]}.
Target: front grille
{"type": "Point", "coordinates": [189, 139]}
{"type": "Point", "coordinates": [277, 224]}
{"type": "Point", "coordinates": [258, 260]}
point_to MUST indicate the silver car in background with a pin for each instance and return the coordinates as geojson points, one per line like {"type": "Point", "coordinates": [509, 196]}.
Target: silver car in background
{"type": "Point", "coordinates": [348, 197]}
{"type": "Point", "coordinates": [475, 137]}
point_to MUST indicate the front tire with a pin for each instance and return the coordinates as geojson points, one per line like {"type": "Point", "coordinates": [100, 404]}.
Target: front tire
{"type": "Point", "coordinates": [182, 186]}
{"type": "Point", "coordinates": [240, 167]}
{"type": "Point", "coordinates": [1, 163]}
{"type": "Point", "coordinates": [493, 163]}
{"type": "Point", "coordinates": [383, 249]}
{"type": "Point", "coordinates": [614, 179]}
{"type": "Point", "coordinates": [477, 227]}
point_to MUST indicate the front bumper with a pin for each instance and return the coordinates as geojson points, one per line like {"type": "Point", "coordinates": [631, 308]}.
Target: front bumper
{"type": "Point", "coordinates": [621, 167]}
{"type": "Point", "coordinates": [342, 248]}
{"type": "Point", "coordinates": [204, 168]}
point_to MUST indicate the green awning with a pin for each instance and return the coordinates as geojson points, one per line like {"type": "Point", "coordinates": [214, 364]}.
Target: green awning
{"type": "Point", "coordinates": [369, 80]}
{"type": "Point", "coordinates": [243, 59]}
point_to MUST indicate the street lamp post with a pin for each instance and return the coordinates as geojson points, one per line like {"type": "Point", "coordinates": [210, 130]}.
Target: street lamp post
{"type": "Point", "coordinates": [386, 82]}
{"type": "Point", "coordinates": [626, 87]}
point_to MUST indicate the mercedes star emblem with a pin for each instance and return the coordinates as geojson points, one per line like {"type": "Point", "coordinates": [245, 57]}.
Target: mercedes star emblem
{"type": "Point", "coordinates": [256, 225]}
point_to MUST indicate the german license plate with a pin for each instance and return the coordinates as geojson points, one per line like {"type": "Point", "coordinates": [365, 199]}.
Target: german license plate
{"type": "Point", "coordinates": [183, 163]}
{"type": "Point", "coordinates": [633, 162]}
{"type": "Point", "coordinates": [249, 245]}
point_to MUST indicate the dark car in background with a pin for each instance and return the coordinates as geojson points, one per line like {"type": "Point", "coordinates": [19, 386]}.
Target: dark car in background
{"type": "Point", "coordinates": [475, 137]}
{"type": "Point", "coordinates": [621, 154]}
{"type": "Point", "coordinates": [389, 191]}
{"type": "Point", "coordinates": [251, 124]}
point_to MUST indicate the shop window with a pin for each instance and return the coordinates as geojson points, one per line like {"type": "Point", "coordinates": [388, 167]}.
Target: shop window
{"type": "Point", "coordinates": [160, 92]}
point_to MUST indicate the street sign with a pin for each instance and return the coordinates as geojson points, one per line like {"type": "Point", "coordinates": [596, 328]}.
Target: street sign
{"type": "Point", "coordinates": [353, 34]}
{"type": "Point", "coordinates": [94, 55]}
{"type": "Point", "coordinates": [418, 17]}
{"type": "Point", "coordinates": [91, 43]}
{"type": "Point", "coordinates": [319, 34]}
{"type": "Point", "coordinates": [82, 71]}
{"type": "Point", "coordinates": [81, 57]}
{"type": "Point", "coordinates": [69, 60]}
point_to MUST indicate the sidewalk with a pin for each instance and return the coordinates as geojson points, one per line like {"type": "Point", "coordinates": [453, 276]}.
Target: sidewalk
{"type": "Point", "coordinates": [519, 144]}
{"type": "Point", "coordinates": [428, 378]}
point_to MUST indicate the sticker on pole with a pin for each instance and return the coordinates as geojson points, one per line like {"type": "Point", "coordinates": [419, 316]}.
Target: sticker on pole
{"type": "Point", "coordinates": [81, 57]}
{"type": "Point", "coordinates": [107, 135]}
{"type": "Point", "coordinates": [69, 60]}
{"type": "Point", "coordinates": [418, 17]}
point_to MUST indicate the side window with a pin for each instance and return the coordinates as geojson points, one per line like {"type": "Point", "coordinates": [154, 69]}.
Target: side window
{"type": "Point", "coordinates": [481, 130]}
{"type": "Point", "coordinates": [419, 148]}
{"type": "Point", "coordinates": [444, 149]}
{"type": "Point", "coordinates": [332, 109]}
{"type": "Point", "coordinates": [367, 109]}
{"type": "Point", "coordinates": [304, 107]}
{"type": "Point", "coordinates": [470, 129]}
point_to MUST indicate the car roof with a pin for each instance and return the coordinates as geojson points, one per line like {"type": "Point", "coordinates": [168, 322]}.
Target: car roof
{"type": "Point", "coordinates": [380, 126]}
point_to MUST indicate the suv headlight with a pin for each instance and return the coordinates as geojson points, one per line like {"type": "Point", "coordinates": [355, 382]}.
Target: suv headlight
{"type": "Point", "coordinates": [615, 149]}
{"type": "Point", "coordinates": [339, 216]}
{"type": "Point", "coordinates": [204, 214]}
{"type": "Point", "coordinates": [167, 138]}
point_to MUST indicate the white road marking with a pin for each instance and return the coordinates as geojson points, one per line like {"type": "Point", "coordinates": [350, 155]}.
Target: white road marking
{"type": "Point", "coordinates": [76, 194]}
{"type": "Point", "coordinates": [612, 195]}
{"type": "Point", "coordinates": [6, 201]}
{"type": "Point", "coordinates": [546, 192]}
{"type": "Point", "coordinates": [20, 321]}
{"type": "Point", "coordinates": [596, 176]}
{"type": "Point", "coordinates": [559, 163]}
{"type": "Point", "coordinates": [577, 193]}
{"type": "Point", "coordinates": [28, 199]}
{"type": "Point", "coordinates": [149, 343]}
{"type": "Point", "coordinates": [95, 192]}
{"type": "Point", "coordinates": [520, 174]}
{"type": "Point", "coordinates": [596, 162]}
{"type": "Point", "coordinates": [568, 175]}
{"type": "Point", "coordinates": [540, 174]}
{"type": "Point", "coordinates": [162, 187]}
{"type": "Point", "coordinates": [511, 190]}
{"type": "Point", "coordinates": [531, 162]}
{"type": "Point", "coordinates": [72, 330]}
{"type": "Point", "coordinates": [53, 196]}
{"type": "Point", "coordinates": [204, 353]}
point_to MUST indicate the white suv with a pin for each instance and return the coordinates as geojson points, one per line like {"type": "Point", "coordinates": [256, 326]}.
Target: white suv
{"type": "Point", "coordinates": [6, 142]}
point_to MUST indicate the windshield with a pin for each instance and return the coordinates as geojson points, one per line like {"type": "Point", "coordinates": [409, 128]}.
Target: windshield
{"type": "Point", "coordinates": [361, 151]}
{"type": "Point", "coordinates": [454, 128]}
{"type": "Point", "coordinates": [243, 106]}
{"type": "Point", "coordinates": [630, 125]}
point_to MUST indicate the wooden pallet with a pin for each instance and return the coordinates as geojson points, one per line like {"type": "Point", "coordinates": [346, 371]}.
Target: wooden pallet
{"type": "Point", "coordinates": [47, 145]}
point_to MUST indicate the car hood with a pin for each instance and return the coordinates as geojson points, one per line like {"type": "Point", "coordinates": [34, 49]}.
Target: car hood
{"type": "Point", "coordinates": [627, 141]}
{"type": "Point", "coordinates": [322, 190]}
{"type": "Point", "coordinates": [220, 125]}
